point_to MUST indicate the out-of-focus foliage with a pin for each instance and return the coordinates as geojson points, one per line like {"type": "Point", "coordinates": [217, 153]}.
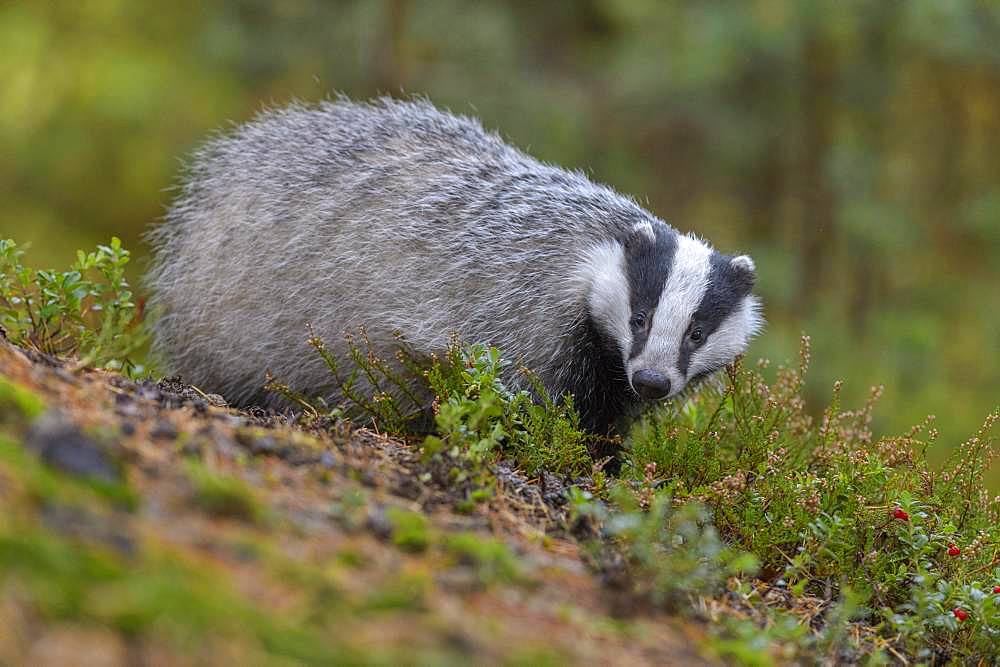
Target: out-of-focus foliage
{"type": "Point", "coordinates": [852, 148]}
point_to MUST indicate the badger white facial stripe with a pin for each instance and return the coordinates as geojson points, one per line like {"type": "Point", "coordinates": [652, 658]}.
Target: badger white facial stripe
{"type": "Point", "coordinates": [679, 298]}
{"type": "Point", "coordinates": [648, 260]}
{"type": "Point", "coordinates": [603, 273]}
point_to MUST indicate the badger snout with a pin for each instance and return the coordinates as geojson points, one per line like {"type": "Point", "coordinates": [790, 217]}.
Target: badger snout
{"type": "Point", "coordinates": [651, 384]}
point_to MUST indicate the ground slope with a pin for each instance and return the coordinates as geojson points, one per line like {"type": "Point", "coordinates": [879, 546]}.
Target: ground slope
{"type": "Point", "coordinates": [150, 524]}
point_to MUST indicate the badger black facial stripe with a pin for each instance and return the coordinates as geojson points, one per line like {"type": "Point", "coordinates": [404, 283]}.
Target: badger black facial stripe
{"type": "Point", "coordinates": [724, 294]}
{"type": "Point", "coordinates": [647, 261]}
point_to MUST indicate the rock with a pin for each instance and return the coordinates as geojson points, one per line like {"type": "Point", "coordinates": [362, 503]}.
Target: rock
{"type": "Point", "coordinates": [216, 400]}
{"type": "Point", "coordinates": [126, 406]}
{"type": "Point", "coordinates": [148, 391]}
{"type": "Point", "coordinates": [163, 429]}
{"type": "Point", "coordinates": [175, 393]}
{"type": "Point", "coordinates": [328, 460]}
{"type": "Point", "coordinates": [62, 445]}
{"type": "Point", "coordinates": [258, 442]}
{"type": "Point", "coordinates": [264, 445]}
{"type": "Point", "coordinates": [553, 489]}
{"type": "Point", "coordinates": [82, 524]}
{"type": "Point", "coordinates": [191, 449]}
{"type": "Point", "coordinates": [378, 522]}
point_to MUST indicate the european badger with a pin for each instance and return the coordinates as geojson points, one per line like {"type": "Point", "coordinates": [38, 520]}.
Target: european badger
{"type": "Point", "coordinates": [396, 216]}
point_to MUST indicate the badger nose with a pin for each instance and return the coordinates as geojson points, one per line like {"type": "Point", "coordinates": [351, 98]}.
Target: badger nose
{"type": "Point", "coordinates": [651, 384]}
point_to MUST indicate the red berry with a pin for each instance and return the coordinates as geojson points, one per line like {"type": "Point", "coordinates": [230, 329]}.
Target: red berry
{"type": "Point", "coordinates": [996, 589]}
{"type": "Point", "coordinates": [900, 514]}
{"type": "Point", "coordinates": [960, 613]}
{"type": "Point", "coordinates": [953, 550]}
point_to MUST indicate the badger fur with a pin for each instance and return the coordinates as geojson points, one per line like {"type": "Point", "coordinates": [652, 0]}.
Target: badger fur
{"type": "Point", "coordinates": [395, 216]}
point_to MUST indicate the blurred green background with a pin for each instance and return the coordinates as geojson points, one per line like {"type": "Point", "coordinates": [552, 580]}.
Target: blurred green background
{"type": "Point", "coordinates": [852, 147]}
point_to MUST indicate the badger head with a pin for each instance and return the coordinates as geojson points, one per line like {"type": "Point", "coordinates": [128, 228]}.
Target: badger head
{"type": "Point", "coordinates": [676, 310]}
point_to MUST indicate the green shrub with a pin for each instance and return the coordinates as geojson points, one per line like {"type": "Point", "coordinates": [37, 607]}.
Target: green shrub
{"type": "Point", "coordinates": [87, 311]}
{"type": "Point", "coordinates": [828, 505]}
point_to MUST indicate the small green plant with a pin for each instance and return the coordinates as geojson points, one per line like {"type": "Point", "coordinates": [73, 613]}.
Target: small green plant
{"type": "Point", "coordinates": [350, 510]}
{"type": "Point", "coordinates": [375, 391]}
{"type": "Point", "coordinates": [87, 312]}
{"type": "Point", "coordinates": [672, 554]}
{"type": "Point", "coordinates": [479, 420]}
{"type": "Point", "coordinates": [476, 417]}
{"type": "Point", "coordinates": [766, 632]}
{"type": "Point", "coordinates": [470, 403]}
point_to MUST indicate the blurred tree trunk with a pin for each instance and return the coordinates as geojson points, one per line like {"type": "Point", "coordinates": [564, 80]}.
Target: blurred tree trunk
{"type": "Point", "coordinates": [391, 64]}
{"type": "Point", "coordinates": [876, 77]}
{"type": "Point", "coordinates": [816, 226]}
{"type": "Point", "coordinates": [946, 186]}
{"type": "Point", "coordinates": [764, 190]}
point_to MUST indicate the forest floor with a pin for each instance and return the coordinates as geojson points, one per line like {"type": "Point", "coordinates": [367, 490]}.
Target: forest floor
{"type": "Point", "coordinates": [148, 523]}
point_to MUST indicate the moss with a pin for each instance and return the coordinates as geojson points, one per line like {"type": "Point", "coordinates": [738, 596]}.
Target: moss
{"type": "Point", "coordinates": [118, 494]}
{"type": "Point", "coordinates": [351, 558]}
{"type": "Point", "coordinates": [350, 510]}
{"type": "Point", "coordinates": [407, 591]}
{"type": "Point", "coordinates": [492, 559]}
{"type": "Point", "coordinates": [148, 595]}
{"type": "Point", "coordinates": [536, 656]}
{"type": "Point", "coordinates": [18, 400]}
{"type": "Point", "coordinates": [411, 531]}
{"type": "Point", "coordinates": [223, 496]}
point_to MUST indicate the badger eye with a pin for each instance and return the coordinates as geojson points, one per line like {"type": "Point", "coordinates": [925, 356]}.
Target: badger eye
{"type": "Point", "coordinates": [638, 320]}
{"type": "Point", "coordinates": [696, 335]}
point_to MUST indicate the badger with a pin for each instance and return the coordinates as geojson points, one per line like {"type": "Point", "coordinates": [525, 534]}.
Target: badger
{"type": "Point", "coordinates": [395, 216]}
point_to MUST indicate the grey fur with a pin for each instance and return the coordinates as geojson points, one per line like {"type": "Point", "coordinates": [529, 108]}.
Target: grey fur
{"type": "Point", "coordinates": [391, 215]}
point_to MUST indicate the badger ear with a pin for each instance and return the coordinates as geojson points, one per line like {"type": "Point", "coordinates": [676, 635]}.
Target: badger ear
{"type": "Point", "coordinates": [640, 234]}
{"type": "Point", "coordinates": [744, 272]}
